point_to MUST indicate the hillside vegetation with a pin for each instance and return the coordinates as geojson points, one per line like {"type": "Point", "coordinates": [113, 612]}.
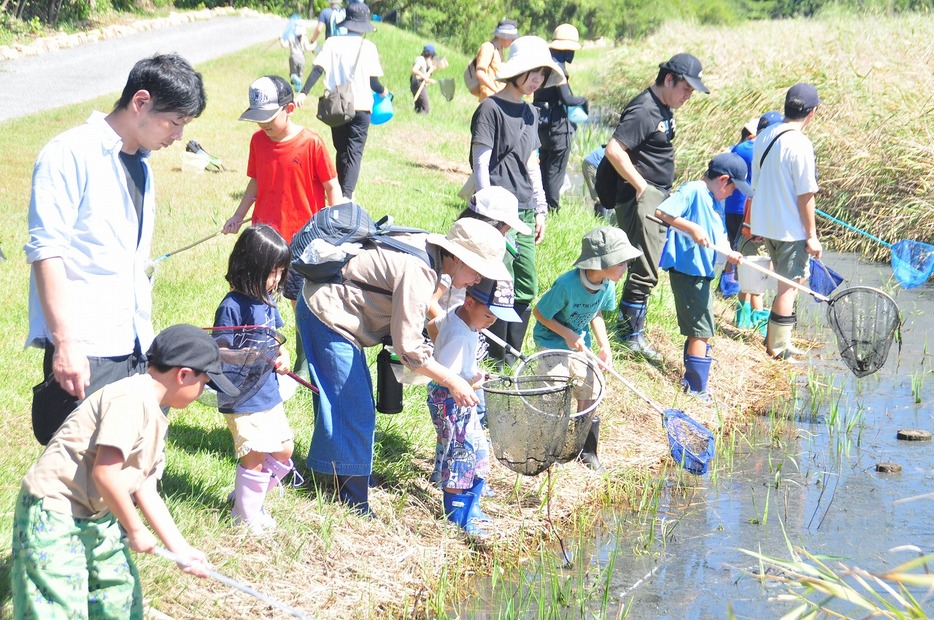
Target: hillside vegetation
{"type": "Point", "coordinates": [875, 77]}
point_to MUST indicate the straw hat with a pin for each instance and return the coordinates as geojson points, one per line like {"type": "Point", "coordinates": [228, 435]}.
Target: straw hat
{"type": "Point", "coordinates": [480, 246]}
{"type": "Point", "coordinates": [566, 38]}
{"type": "Point", "coordinates": [527, 54]}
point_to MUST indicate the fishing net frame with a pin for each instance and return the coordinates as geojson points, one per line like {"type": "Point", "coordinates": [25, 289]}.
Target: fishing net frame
{"type": "Point", "coordinates": [248, 357]}
{"type": "Point", "coordinates": [587, 385]}
{"type": "Point", "coordinates": [865, 322]}
{"type": "Point", "coordinates": [528, 419]}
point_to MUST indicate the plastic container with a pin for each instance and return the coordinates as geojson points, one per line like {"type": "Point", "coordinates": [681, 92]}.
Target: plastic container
{"type": "Point", "coordinates": [750, 280]}
{"type": "Point", "coordinates": [195, 162]}
{"type": "Point", "coordinates": [577, 115]}
{"type": "Point", "coordinates": [382, 109]}
{"type": "Point", "coordinates": [388, 388]}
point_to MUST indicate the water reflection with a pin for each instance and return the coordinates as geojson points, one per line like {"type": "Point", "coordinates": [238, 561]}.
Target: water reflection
{"type": "Point", "coordinates": [818, 490]}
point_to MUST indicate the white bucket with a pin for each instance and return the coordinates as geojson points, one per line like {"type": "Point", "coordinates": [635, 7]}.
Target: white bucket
{"type": "Point", "coordinates": [750, 280]}
{"type": "Point", "coordinates": [195, 162]}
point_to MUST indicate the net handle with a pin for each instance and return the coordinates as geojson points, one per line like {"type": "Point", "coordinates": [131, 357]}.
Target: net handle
{"type": "Point", "coordinates": [743, 261]}
{"type": "Point", "coordinates": [194, 243]}
{"type": "Point", "coordinates": [224, 579]}
{"type": "Point", "coordinates": [593, 356]}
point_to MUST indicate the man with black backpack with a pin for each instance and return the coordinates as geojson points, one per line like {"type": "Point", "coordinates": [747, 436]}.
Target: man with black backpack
{"type": "Point", "coordinates": [784, 177]}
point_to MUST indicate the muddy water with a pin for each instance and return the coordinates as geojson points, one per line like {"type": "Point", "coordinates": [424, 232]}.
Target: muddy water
{"type": "Point", "coordinates": [818, 482]}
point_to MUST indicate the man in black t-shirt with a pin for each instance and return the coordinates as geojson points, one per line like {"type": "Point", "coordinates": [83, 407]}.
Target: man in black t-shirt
{"type": "Point", "coordinates": [636, 176]}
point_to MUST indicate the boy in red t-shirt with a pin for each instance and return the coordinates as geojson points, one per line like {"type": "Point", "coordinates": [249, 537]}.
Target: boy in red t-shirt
{"type": "Point", "coordinates": [291, 173]}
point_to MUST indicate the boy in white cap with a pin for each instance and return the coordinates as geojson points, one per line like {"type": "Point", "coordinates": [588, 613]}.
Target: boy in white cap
{"type": "Point", "coordinates": [292, 175]}
{"type": "Point", "coordinates": [574, 306]}
{"type": "Point", "coordinates": [76, 515]}
{"type": "Point", "coordinates": [691, 262]}
{"type": "Point", "coordinates": [464, 454]}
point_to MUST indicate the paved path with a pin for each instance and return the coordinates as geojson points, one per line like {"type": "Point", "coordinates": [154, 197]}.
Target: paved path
{"type": "Point", "coordinates": [45, 81]}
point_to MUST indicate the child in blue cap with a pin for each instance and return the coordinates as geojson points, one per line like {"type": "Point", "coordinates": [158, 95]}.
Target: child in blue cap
{"type": "Point", "coordinates": [691, 261]}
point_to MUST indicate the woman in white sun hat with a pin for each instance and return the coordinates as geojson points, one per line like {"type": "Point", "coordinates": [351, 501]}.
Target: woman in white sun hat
{"type": "Point", "coordinates": [503, 153]}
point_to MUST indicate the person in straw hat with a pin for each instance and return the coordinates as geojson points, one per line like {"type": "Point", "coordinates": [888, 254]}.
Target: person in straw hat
{"type": "Point", "coordinates": [489, 59]}
{"type": "Point", "coordinates": [504, 141]}
{"type": "Point", "coordinates": [341, 58]}
{"type": "Point", "coordinates": [554, 129]}
{"type": "Point", "coordinates": [382, 293]}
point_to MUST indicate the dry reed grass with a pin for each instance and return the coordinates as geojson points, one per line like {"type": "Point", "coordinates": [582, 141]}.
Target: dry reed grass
{"type": "Point", "coordinates": [874, 133]}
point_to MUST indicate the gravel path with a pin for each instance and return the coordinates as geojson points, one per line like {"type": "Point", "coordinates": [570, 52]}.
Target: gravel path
{"type": "Point", "coordinates": [65, 76]}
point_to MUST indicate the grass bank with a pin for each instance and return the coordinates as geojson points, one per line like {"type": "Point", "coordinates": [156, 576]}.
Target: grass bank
{"type": "Point", "coordinates": [409, 562]}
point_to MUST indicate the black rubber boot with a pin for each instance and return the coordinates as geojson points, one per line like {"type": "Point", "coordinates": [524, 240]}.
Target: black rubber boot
{"type": "Point", "coordinates": [589, 454]}
{"type": "Point", "coordinates": [354, 491]}
{"type": "Point", "coordinates": [515, 332]}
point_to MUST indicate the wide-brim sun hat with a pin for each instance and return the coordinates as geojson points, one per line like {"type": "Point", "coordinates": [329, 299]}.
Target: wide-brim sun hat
{"type": "Point", "coordinates": [527, 54]}
{"type": "Point", "coordinates": [498, 203]}
{"type": "Point", "coordinates": [357, 18]}
{"type": "Point", "coordinates": [478, 245]}
{"type": "Point", "coordinates": [605, 246]}
{"type": "Point", "coordinates": [566, 38]}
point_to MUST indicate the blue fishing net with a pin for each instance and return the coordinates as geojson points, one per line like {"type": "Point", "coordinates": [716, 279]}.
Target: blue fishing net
{"type": "Point", "coordinates": [912, 262]}
{"type": "Point", "coordinates": [692, 445]}
{"type": "Point", "coordinates": [823, 279]}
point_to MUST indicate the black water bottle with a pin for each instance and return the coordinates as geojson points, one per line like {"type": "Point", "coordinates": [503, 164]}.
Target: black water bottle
{"type": "Point", "coordinates": [388, 388]}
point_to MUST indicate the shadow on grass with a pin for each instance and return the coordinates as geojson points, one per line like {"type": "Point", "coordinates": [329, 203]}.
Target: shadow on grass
{"type": "Point", "coordinates": [198, 440]}
{"type": "Point", "coordinates": [6, 592]}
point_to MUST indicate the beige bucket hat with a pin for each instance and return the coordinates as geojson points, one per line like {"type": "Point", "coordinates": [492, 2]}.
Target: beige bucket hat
{"type": "Point", "coordinates": [480, 246]}
{"type": "Point", "coordinates": [604, 247]}
{"type": "Point", "coordinates": [527, 54]}
{"type": "Point", "coordinates": [566, 38]}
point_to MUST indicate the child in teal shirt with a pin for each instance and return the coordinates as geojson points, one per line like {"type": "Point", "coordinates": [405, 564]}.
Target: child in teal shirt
{"type": "Point", "coordinates": [574, 306]}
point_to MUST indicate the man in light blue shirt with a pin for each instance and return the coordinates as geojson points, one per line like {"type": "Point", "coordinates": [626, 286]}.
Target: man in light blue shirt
{"type": "Point", "coordinates": [91, 217]}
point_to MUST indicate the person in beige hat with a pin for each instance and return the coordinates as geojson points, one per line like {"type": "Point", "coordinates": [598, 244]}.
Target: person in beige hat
{"type": "Point", "coordinates": [382, 293]}
{"type": "Point", "coordinates": [555, 130]}
{"type": "Point", "coordinates": [489, 59]}
{"type": "Point", "coordinates": [574, 306]}
{"type": "Point", "coordinates": [503, 153]}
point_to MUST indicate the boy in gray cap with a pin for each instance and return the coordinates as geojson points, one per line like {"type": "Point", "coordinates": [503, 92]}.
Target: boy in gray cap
{"type": "Point", "coordinates": [574, 305]}
{"type": "Point", "coordinates": [695, 210]}
{"type": "Point", "coordinates": [102, 464]}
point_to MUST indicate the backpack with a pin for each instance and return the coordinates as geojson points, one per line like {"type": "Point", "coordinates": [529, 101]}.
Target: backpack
{"type": "Point", "coordinates": [344, 223]}
{"type": "Point", "coordinates": [336, 17]}
{"type": "Point", "coordinates": [470, 78]}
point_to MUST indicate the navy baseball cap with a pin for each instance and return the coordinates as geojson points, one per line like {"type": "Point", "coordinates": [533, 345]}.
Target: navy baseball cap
{"type": "Point", "coordinates": [689, 67]}
{"type": "Point", "coordinates": [805, 93]}
{"type": "Point", "coordinates": [734, 167]}
{"type": "Point", "coordinates": [498, 296]}
{"type": "Point", "coordinates": [768, 119]}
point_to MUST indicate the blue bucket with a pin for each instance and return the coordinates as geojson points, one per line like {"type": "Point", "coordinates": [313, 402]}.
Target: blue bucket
{"type": "Point", "coordinates": [382, 109]}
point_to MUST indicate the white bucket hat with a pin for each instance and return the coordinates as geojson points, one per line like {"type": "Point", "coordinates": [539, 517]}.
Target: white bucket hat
{"type": "Point", "coordinates": [527, 54]}
{"type": "Point", "coordinates": [498, 203]}
{"type": "Point", "coordinates": [480, 246]}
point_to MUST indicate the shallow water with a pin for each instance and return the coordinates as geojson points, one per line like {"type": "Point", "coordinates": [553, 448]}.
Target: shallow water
{"type": "Point", "coordinates": [819, 484]}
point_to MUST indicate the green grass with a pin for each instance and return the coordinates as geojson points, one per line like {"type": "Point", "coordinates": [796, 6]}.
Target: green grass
{"type": "Point", "coordinates": [410, 563]}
